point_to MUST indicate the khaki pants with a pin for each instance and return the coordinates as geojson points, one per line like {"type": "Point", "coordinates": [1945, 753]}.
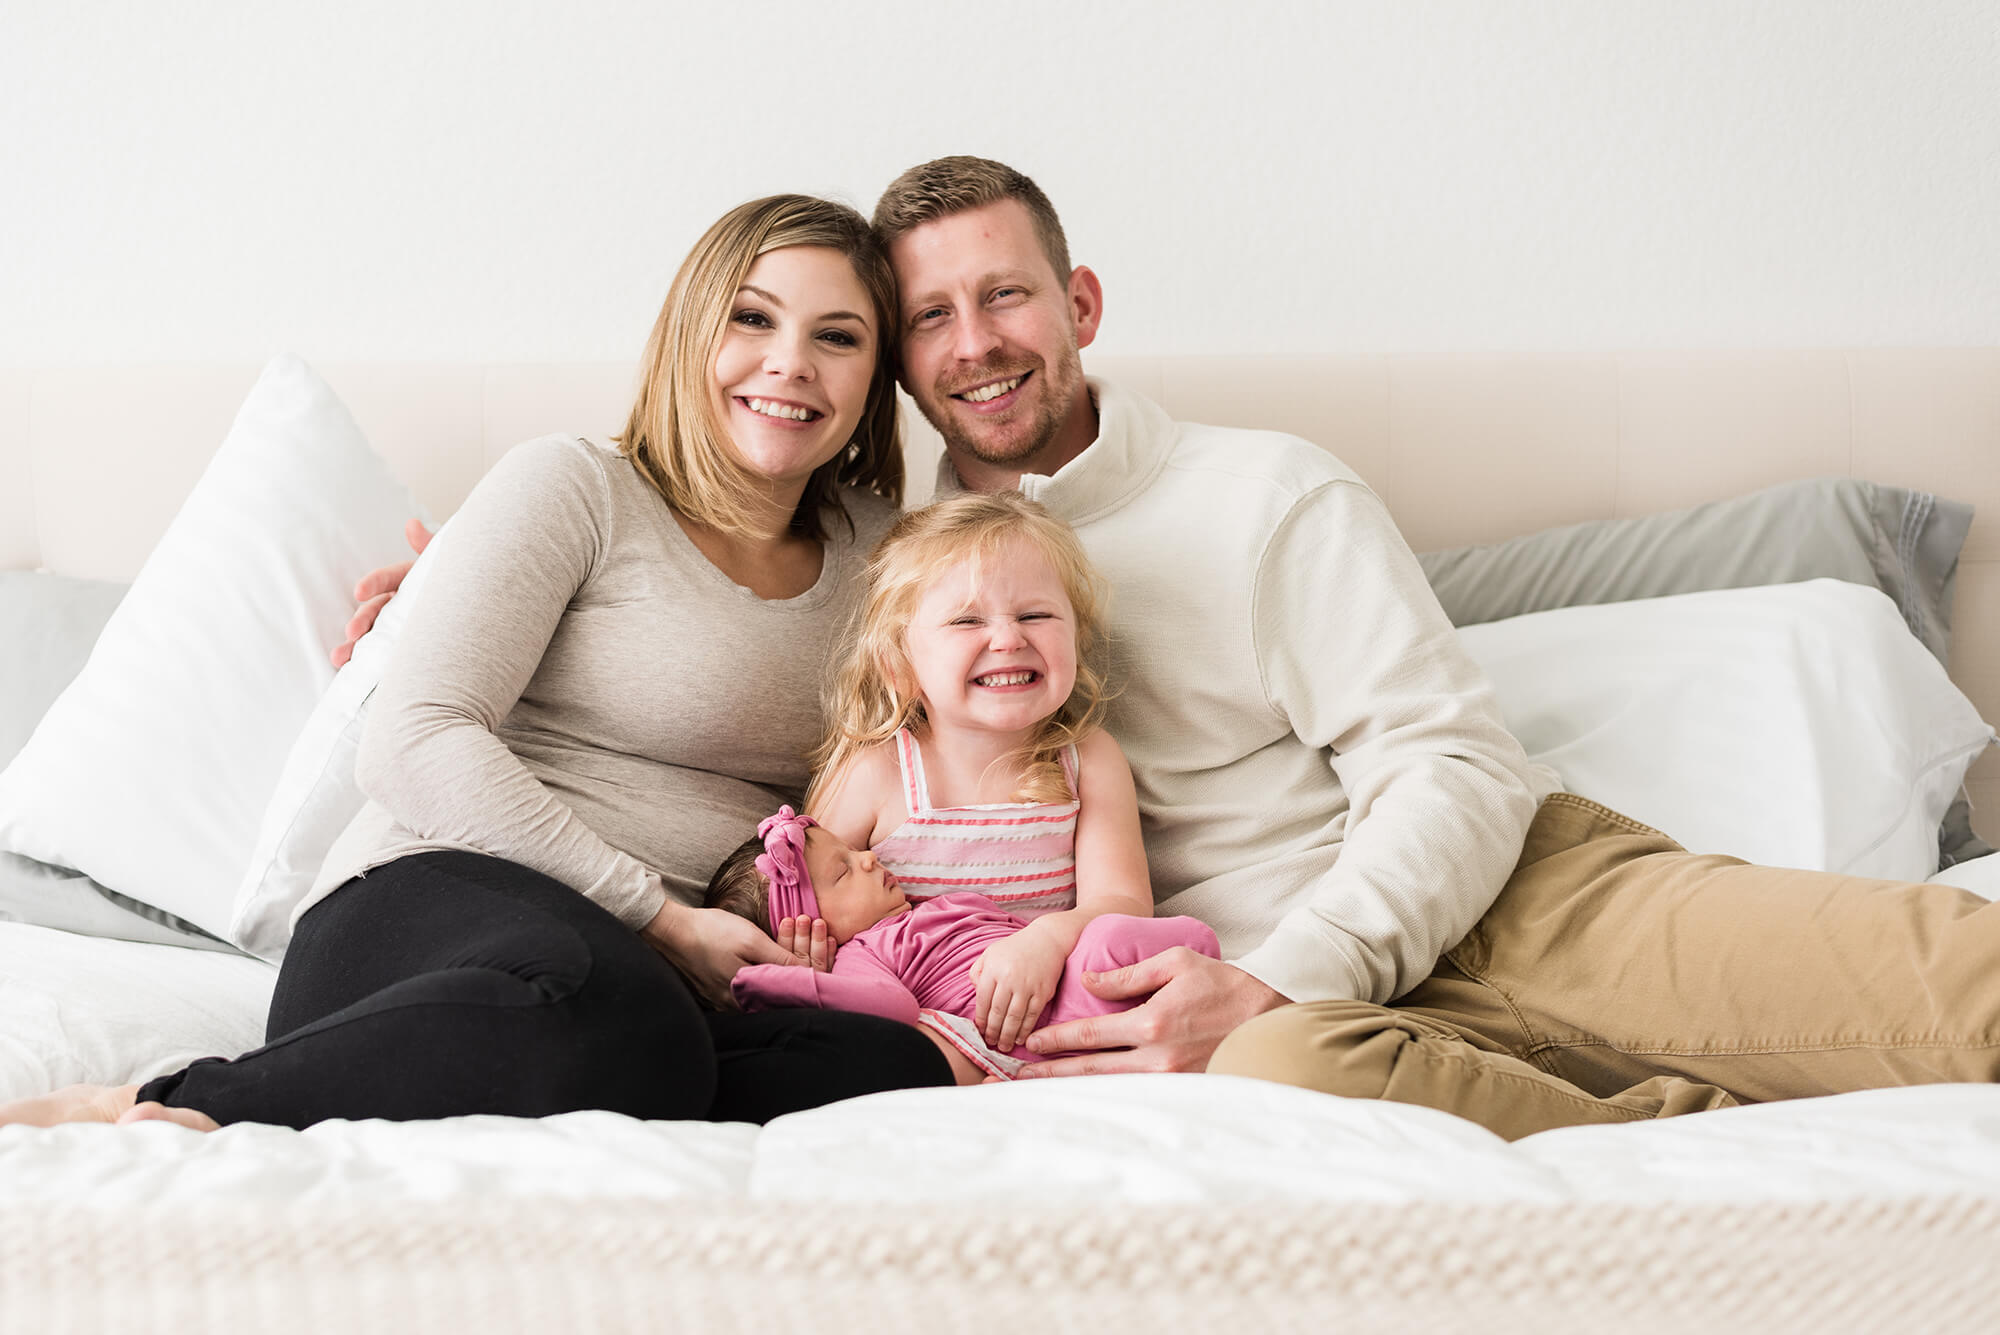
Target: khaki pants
{"type": "Point", "coordinates": [1619, 977]}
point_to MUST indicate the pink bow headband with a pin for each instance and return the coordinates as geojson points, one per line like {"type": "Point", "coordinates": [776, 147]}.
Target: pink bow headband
{"type": "Point", "coordinates": [783, 865]}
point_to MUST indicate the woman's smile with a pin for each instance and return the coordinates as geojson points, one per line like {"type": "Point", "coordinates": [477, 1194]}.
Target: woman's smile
{"type": "Point", "coordinates": [781, 410]}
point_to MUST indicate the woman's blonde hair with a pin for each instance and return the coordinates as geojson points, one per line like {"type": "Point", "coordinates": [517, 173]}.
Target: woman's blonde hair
{"type": "Point", "coordinates": [672, 436]}
{"type": "Point", "coordinates": [874, 693]}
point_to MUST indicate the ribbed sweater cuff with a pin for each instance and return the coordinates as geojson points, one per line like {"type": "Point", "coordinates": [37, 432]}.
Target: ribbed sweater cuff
{"type": "Point", "coordinates": [1307, 970]}
{"type": "Point", "coordinates": [630, 892]}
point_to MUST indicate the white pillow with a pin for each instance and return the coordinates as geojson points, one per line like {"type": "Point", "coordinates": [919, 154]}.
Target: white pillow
{"type": "Point", "coordinates": [151, 772]}
{"type": "Point", "coordinates": [1980, 875]}
{"type": "Point", "coordinates": [85, 1010]}
{"type": "Point", "coordinates": [1799, 725]}
{"type": "Point", "coordinates": [316, 796]}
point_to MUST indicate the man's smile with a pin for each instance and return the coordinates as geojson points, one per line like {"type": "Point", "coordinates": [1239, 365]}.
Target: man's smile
{"type": "Point", "coordinates": [993, 393]}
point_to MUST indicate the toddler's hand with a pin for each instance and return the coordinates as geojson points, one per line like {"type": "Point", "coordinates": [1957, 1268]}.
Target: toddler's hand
{"type": "Point", "coordinates": [1014, 981]}
{"type": "Point", "coordinates": [807, 941]}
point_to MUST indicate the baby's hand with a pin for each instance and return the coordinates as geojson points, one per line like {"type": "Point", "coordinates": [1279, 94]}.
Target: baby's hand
{"type": "Point", "coordinates": [807, 941]}
{"type": "Point", "coordinates": [1014, 982]}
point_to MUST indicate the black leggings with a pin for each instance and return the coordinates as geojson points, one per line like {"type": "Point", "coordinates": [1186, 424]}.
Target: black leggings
{"type": "Point", "coordinates": [453, 983]}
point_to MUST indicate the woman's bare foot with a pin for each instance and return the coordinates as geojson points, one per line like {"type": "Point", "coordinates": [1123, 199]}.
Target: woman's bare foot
{"type": "Point", "coordinates": [77, 1103]}
{"type": "Point", "coordinates": [160, 1112]}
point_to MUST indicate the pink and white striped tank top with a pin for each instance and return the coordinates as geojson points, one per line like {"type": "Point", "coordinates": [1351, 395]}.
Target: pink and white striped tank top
{"type": "Point", "coordinates": [1020, 855]}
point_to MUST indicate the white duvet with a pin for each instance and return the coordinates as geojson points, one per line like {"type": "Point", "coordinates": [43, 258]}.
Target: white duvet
{"type": "Point", "coordinates": [78, 1008]}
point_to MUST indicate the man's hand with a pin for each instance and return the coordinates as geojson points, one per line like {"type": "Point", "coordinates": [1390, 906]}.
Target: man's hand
{"type": "Point", "coordinates": [1196, 1002]}
{"type": "Point", "coordinates": [377, 588]}
{"type": "Point", "coordinates": [709, 946]}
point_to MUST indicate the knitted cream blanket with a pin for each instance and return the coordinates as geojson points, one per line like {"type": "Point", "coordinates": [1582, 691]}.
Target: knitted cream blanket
{"type": "Point", "coordinates": [507, 1265]}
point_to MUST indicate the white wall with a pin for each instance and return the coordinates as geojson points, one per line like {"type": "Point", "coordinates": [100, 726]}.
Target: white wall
{"type": "Point", "coordinates": [484, 179]}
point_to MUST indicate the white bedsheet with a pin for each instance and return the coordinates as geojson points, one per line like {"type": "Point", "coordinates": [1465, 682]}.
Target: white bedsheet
{"type": "Point", "coordinates": [77, 1008]}
{"type": "Point", "coordinates": [1106, 1139]}
{"type": "Point", "coordinates": [80, 1009]}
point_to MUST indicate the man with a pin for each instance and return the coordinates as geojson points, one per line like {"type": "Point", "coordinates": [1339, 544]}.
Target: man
{"type": "Point", "coordinates": [1325, 779]}
{"type": "Point", "coordinates": [1241, 566]}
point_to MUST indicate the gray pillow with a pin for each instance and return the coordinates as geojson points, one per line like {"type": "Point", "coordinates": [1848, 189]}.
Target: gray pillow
{"type": "Point", "coordinates": [62, 897]}
{"type": "Point", "coordinates": [1905, 543]}
{"type": "Point", "coordinates": [48, 624]}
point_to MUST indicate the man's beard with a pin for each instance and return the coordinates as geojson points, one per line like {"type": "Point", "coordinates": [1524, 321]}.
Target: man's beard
{"type": "Point", "coordinates": [1063, 381]}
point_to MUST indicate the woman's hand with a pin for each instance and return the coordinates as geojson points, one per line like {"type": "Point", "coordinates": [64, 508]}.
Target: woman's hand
{"type": "Point", "coordinates": [807, 941]}
{"type": "Point", "coordinates": [376, 588]}
{"type": "Point", "coordinates": [709, 946]}
{"type": "Point", "coordinates": [1014, 981]}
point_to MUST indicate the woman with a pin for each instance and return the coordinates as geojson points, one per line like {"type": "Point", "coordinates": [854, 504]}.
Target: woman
{"type": "Point", "coordinates": [614, 669]}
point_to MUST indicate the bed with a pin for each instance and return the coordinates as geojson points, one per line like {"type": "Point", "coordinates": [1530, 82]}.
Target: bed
{"type": "Point", "coordinates": [1743, 596]}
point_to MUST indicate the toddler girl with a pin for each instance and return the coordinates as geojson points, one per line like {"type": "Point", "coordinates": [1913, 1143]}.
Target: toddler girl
{"type": "Point", "coordinates": [902, 961]}
{"type": "Point", "coordinates": [964, 745]}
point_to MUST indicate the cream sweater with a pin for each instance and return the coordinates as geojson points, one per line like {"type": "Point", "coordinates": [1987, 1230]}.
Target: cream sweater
{"type": "Point", "coordinates": [1323, 774]}
{"type": "Point", "coordinates": [579, 690]}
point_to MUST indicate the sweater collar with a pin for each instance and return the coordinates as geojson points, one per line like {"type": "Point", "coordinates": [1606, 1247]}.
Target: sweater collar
{"type": "Point", "coordinates": [1135, 437]}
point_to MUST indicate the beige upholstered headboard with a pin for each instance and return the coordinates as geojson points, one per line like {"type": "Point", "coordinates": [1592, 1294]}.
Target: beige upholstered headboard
{"type": "Point", "coordinates": [94, 462]}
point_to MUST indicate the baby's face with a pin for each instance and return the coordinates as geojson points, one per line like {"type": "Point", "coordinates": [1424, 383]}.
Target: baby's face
{"type": "Point", "coordinates": [854, 890]}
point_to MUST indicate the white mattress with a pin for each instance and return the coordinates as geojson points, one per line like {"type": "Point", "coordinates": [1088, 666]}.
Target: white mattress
{"type": "Point", "coordinates": [83, 1009]}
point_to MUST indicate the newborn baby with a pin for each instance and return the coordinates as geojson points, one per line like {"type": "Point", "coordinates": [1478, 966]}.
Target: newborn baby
{"type": "Point", "coordinates": [899, 960]}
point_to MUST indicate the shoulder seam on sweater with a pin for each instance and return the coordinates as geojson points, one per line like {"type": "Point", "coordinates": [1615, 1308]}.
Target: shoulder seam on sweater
{"type": "Point", "coordinates": [601, 470]}
{"type": "Point", "coordinates": [1257, 584]}
{"type": "Point", "coordinates": [1307, 450]}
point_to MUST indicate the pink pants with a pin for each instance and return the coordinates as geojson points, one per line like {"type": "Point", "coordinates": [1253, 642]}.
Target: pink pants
{"type": "Point", "coordinates": [1113, 941]}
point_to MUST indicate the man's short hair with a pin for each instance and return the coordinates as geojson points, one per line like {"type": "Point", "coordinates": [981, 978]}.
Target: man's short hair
{"type": "Point", "coordinates": [952, 185]}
